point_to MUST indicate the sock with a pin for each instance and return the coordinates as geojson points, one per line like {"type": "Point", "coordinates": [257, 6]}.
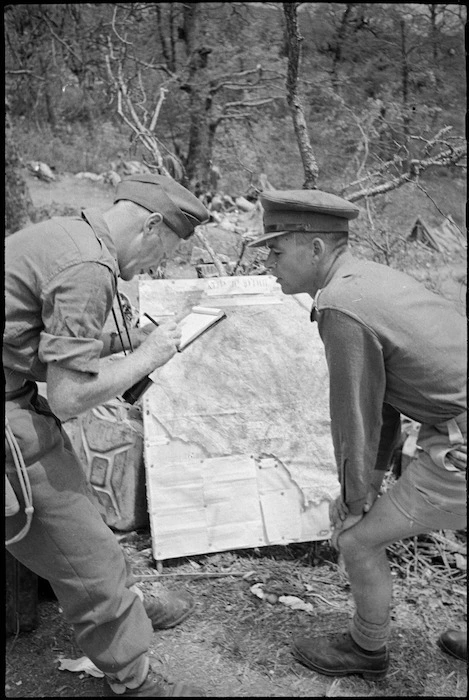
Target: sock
{"type": "Point", "coordinates": [371, 637]}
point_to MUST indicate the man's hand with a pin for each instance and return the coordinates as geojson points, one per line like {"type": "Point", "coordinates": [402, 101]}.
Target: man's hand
{"type": "Point", "coordinates": [139, 335]}
{"type": "Point", "coordinates": [340, 519]}
{"type": "Point", "coordinates": [71, 392]}
{"type": "Point", "coordinates": [349, 522]}
{"type": "Point", "coordinates": [161, 343]}
{"type": "Point", "coordinates": [376, 480]}
{"type": "Point", "coordinates": [458, 457]}
{"type": "Point", "coordinates": [338, 512]}
{"type": "Point", "coordinates": [371, 497]}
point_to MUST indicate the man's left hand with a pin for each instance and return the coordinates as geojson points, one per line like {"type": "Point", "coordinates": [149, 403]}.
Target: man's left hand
{"type": "Point", "coordinates": [346, 524]}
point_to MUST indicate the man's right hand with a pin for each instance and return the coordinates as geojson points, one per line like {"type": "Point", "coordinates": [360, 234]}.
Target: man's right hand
{"type": "Point", "coordinates": [338, 512]}
{"type": "Point", "coordinates": [458, 457]}
{"type": "Point", "coordinates": [162, 343]}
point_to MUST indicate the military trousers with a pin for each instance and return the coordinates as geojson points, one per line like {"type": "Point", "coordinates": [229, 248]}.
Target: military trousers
{"type": "Point", "coordinates": [70, 545]}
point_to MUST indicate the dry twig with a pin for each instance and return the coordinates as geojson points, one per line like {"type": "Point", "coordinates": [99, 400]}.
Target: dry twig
{"type": "Point", "coordinates": [196, 574]}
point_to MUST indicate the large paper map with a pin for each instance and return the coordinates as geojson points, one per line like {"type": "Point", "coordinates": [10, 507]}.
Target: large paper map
{"type": "Point", "coordinates": [237, 440]}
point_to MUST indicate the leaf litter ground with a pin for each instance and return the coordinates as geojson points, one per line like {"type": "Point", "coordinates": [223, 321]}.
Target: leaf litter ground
{"type": "Point", "coordinates": [238, 645]}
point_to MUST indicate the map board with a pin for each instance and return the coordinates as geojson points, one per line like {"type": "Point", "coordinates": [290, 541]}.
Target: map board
{"type": "Point", "coordinates": [237, 444]}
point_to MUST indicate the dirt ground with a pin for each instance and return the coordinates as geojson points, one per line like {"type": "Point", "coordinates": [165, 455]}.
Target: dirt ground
{"type": "Point", "coordinates": [238, 645]}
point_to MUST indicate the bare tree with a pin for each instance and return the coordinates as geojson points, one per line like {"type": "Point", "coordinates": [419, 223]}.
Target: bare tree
{"type": "Point", "coordinates": [140, 116]}
{"type": "Point", "coordinates": [412, 157]}
{"type": "Point", "coordinates": [210, 101]}
{"type": "Point", "coordinates": [337, 47]}
{"type": "Point", "coordinates": [294, 102]}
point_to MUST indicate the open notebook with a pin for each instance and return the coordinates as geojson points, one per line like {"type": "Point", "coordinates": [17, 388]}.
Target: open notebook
{"type": "Point", "coordinates": [200, 319]}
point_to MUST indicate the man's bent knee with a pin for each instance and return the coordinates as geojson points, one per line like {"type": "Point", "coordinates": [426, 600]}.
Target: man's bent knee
{"type": "Point", "coordinates": [352, 547]}
{"type": "Point", "coordinates": [365, 540]}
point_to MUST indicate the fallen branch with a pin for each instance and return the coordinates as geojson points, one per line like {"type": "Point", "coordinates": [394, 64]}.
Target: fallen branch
{"type": "Point", "coordinates": [449, 544]}
{"type": "Point", "coordinates": [324, 600]}
{"type": "Point", "coordinates": [207, 574]}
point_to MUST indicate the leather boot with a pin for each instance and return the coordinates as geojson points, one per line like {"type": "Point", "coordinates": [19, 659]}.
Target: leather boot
{"type": "Point", "coordinates": [340, 656]}
{"type": "Point", "coordinates": [157, 686]}
{"type": "Point", "coordinates": [454, 642]}
{"type": "Point", "coordinates": [166, 608]}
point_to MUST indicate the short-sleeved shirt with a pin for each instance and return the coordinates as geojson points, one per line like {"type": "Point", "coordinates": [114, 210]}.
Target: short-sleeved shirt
{"type": "Point", "coordinates": [392, 347]}
{"type": "Point", "coordinates": [60, 282]}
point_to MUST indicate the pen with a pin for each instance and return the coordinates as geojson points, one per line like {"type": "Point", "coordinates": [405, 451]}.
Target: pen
{"type": "Point", "coordinates": [150, 318]}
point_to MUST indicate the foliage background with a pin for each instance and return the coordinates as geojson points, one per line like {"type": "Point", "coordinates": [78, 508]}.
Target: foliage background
{"type": "Point", "coordinates": [372, 75]}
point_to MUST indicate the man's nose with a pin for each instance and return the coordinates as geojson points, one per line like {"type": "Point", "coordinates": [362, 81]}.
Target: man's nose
{"type": "Point", "coordinates": [270, 262]}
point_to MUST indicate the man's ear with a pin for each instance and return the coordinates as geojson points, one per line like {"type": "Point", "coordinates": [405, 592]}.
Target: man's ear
{"type": "Point", "coordinates": [318, 248]}
{"type": "Point", "coordinates": [152, 222]}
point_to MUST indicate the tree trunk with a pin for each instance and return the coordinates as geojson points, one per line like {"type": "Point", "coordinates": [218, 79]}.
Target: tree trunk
{"type": "Point", "coordinates": [434, 31]}
{"type": "Point", "coordinates": [48, 98]}
{"type": "Point", "coordinates": [299, 122]}
{"type": "Point", "coordinates": [337, 55]}
{"type": "Point", "coordinates": [199, 154]}
{"type": "Point", "coordinates": [405, 81]}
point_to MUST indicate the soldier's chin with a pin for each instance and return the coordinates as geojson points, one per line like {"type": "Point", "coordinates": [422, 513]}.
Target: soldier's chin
{"type": "Point", "coordinates": [127, 275]}
{"type": "Point", "coordinates": [285, 288]}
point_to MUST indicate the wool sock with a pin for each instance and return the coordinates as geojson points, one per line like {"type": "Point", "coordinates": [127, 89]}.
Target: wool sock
{"type": "Point", "coordinates": [368, 635]}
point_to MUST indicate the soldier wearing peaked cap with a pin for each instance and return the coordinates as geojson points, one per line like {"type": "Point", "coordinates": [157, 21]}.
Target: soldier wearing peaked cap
{"type": "Point", "coordinates": [306, 211]}
{"type": "Point", "coordinates": [60, 283]}
{"type": "Point", "coordinates": [393, 349]}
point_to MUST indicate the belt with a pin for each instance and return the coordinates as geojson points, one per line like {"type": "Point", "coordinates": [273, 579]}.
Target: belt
{"type": "Point", "coordinates": [455, 427]}
{"type": "Point", "coordinates": [461, 420]}
{"type": "Point", "coordinates": [438, 440]}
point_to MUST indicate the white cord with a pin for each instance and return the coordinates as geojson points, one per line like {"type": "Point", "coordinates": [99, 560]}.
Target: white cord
{"type": "Point", "coordinates": [24, 483]}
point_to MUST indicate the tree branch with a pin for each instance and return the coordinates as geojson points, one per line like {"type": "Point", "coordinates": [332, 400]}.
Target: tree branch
{"type": "Point", "coordinates": [24, 71]}
{"type": "Point", "coordinates": [422, 189]}
{"type": "Point", "coordinates": [218, 264]}
{"type": "Point", "coordinates": [128, 112]}
{"type": "Point", "coordinates": [113, 24]}
{"type": "Point", "coordinates": [156, 113]}
{"type": "Point", "coordinates": [257, 103]}
{"type": "Point", "coordinates": [448, 155]}
{"type": "Point", "coordinates": [61, 41]}
{"type": "Point", "coordinates": [416, 167]}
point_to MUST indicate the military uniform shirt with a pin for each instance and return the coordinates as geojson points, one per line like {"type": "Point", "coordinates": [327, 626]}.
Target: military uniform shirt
{"type": "Point", "coordinates": [392, 347]}
{"type": "Point", "coordinates": [60, 282]}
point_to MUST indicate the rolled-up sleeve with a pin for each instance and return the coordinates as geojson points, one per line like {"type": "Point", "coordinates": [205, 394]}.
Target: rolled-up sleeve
{"type": "Point", "coordinates": [76, 304]}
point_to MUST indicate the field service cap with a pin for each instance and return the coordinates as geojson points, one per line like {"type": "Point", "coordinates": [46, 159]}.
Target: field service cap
{"type": "Point", "coordinates": [181, 210]}
{"type": "Point", "coordinates": [305, 211]}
